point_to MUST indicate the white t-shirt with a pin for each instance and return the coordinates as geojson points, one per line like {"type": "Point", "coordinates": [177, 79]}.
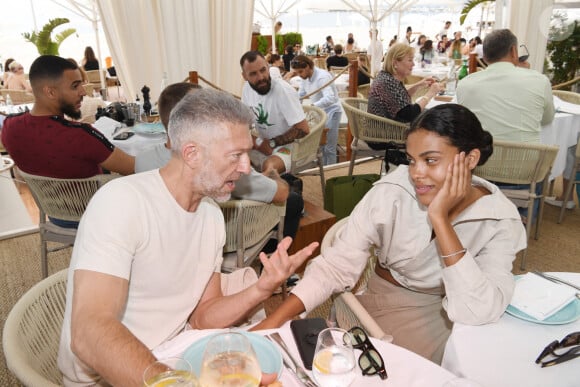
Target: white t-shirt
{"type": "Point", "coordinates": [376, 53]}
{"type": "Point", "coordinates": [275, 112]}
{"type": "Point", "coordinates": [134, 229]}
{"type": "Point", "coordinates": [275, 72]}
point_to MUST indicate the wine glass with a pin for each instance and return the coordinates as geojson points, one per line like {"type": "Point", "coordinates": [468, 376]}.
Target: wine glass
{"type": "Point", "coordinates": [229, 360]}
{"type": "Point", "coordinates": [334, 363]}
{"type": "Point", "coordinates": [174, 372]}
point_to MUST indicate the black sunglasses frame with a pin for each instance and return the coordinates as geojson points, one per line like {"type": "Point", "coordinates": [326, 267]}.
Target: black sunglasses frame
{"type": "Point", "coordinates": [571, 340]}
{"type": "Point", "coordinates": [368, 350]}
{"type": "Point", "coordinates": [524, 57]}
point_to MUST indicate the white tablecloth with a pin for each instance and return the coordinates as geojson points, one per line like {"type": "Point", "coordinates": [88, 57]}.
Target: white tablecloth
{"type": "Point", "coordinates": [436, 71]}
{"type": "Point", "coordinates": [502, 354]}
{"type": "Point", "coordinates": [132, 145]}
{"type": "Point", "coordinates": [405, 368]}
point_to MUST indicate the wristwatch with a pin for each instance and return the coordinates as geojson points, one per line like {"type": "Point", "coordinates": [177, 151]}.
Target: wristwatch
{"type": "Point", "coordinates": [272, 143]}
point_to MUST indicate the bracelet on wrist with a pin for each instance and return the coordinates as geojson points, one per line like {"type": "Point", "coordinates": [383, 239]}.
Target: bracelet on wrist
{"type": "Point", "coordinates": [454, 254]}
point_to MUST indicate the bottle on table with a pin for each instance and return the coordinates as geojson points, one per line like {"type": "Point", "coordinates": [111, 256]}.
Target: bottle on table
{"type": "Point", "coordinates": [463, 72]}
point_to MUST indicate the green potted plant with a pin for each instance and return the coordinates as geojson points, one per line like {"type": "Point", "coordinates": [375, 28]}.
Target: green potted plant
{"type": "Point", "coordinates": [43, 39]}
{"type": "Point", "coordinates": [562, 50]}
{"type": "Point", "coordinates": [262, 42]}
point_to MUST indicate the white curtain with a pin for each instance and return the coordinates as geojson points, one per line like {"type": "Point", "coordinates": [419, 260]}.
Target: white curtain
{"type": "Point", "coordinates": [529, 21]}
{"type": "Point", "coordinates": [150, 37]}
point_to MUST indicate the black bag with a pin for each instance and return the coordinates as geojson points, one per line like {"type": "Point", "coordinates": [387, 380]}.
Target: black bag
{"type": "Point", "coordinates": [342, 193]}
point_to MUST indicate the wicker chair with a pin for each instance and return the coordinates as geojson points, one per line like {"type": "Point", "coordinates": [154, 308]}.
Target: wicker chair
{"type": "Point", "coordinates": [249, 226]}
{"type": "Point", "coordinates": [568, 96]}
{"type": "Point", "coordinates": [94, 78]}
{"type": "Point", "coordinates": [348, 310]}
{"type": "Point", "coordinates": [335, 70]}
{"type": "Point", "coordinates": [369, 127]}
{"type": "Point", "coordinates": [364, 90]}
{"type": "Point", "coordinates": [18, 97]}
{"type": "Point", "coordinates": [89, 88]}
{"type": "Point", "coordinates": [64, 199]}
{"type": "Point", "coordinates": [32, 333]}
{"type": "Point", "coordinates": [306, 151]}
{"type": "Point", "coordinates": [320, 63]}
{"type": "Point", "coordinates": [521, 163]}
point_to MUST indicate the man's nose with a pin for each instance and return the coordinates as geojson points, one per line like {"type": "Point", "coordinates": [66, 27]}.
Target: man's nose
{"type": "Point", "coordinates": [244, 165]}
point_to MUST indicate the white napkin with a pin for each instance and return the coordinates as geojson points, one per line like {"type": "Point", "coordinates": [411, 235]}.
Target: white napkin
{"type": "Point", "coordinates": [566, 107]}
{"type": "Point", "coordinates": [539, 297]}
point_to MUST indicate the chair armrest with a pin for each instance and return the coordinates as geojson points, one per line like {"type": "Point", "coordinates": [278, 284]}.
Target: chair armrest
{"type": "Point", "coordinates": [350, 312]}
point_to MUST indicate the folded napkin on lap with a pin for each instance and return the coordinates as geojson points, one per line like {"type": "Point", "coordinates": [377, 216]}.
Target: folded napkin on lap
{"type": "Point", "coordinates": [539, 297]}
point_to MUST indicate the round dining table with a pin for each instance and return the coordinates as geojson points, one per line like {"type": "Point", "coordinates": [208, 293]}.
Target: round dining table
{"type": "Point", "coordinates": [404, 368]}
{"type": "Point", "coordinates": [503, 354]}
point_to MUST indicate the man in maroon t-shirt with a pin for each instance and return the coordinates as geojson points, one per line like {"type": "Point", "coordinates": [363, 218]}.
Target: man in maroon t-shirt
{"type": "Point", "coordinates": [43, 142]}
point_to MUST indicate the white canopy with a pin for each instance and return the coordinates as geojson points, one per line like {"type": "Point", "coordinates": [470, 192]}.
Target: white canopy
{"type": "Point", "coordinates": [150, 38]}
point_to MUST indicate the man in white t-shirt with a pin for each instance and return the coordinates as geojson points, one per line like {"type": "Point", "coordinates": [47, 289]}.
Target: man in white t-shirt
{"type": "Point", "coordinates": [444, 31]}
{"type": "Point", "coordinates": [148, 252]}
{"type": "Point", "coordinates": [280, 118]}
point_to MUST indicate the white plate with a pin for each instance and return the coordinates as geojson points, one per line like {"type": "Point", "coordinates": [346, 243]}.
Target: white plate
{"type": "Point", "coordinates": [268, 355]}
{"type": "Point", "coordinates": [145, 128]}
{"type": "Point", "coordinates": [567, 314]}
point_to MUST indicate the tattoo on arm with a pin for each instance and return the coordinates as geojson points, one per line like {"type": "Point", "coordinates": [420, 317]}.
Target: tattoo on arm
{"type": "Point", "coordinates": [291, 134]}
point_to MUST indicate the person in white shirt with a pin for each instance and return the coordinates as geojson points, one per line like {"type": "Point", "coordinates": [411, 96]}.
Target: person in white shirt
{"type": "Point", "coordinates": [313, 78]}
{"type": "Point", "coordinates": [444, 31]}
{"type": "Point", "coordinates": [148, 252]}
{"type": "Point", "coordinates": [511, 102]}
{"type": "Point", "coordinates": [375, 52]}
{"type": "Point", "coordinates": [445, 241]}
{"type": "Point", "coordinates": [280, 118]}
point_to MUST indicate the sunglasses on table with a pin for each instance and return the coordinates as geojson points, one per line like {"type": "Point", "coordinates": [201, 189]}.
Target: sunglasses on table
{"type": "Point", "coordinates": [554, 349]}
{"type": "Point", "coordinates": [370, 361]}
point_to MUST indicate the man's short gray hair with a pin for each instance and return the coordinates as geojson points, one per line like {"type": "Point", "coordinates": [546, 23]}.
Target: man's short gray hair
{"type": "Point", "coordinates": [497, 44]}
{"type": "Point", "coordinates": [202, 116]}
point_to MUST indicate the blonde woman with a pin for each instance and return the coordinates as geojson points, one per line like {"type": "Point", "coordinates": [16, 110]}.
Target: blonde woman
{"type": "Point", "coordinates": [388, 96]}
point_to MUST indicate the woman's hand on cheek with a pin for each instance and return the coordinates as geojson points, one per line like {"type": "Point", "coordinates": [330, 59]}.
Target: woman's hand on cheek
{"type": "Point", "coordinates": [455, 187]}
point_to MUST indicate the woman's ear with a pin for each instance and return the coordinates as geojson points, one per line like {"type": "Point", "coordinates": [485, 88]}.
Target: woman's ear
{"type": "Point", "coordinates": [473, 158]}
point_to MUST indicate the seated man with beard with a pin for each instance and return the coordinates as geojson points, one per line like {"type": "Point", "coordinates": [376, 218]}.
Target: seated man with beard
{"type": "Point", "coordinates": [279, 115]}
{"type": "Point", "coordinates": [43, 142]}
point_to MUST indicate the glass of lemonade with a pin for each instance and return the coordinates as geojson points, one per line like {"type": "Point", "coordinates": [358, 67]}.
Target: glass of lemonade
{"type": "Point", "coordinates": [334, 363]}
{"type": "Point", "coordinates": [229, 360]}
{"type": "Point", "coordinates": [171, 372]}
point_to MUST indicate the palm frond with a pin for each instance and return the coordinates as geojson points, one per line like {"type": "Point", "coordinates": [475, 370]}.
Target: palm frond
{"type": "Point", "coordinates": [64, 34]}
{"type": "Point", "coordinates": [468, 6]}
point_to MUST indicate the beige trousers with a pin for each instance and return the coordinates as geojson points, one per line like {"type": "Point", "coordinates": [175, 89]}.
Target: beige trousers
{"type": "Point", "coordinates": [417, 321]}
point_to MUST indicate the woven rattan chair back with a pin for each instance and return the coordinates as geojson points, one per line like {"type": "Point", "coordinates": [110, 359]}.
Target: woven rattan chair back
{"type": "Point", "coordinates": [249, 226]}
{"type": "Point", "coordinates": [18, 97]}
{"type": "Point", "coordinates": [521, 164]}
{"type": "Point", "coordinates": [306, 151]}
{"type": "Point", "coordinates": [568, 96]}
{"type": "Point", "coordinates": [64, 199]}
{"type": "Point", "coordinates": [370, 128]}
{"type": "Point", "coordinates": [364, 90]}
{"type": "Point", "coordinates": [32, 333]}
